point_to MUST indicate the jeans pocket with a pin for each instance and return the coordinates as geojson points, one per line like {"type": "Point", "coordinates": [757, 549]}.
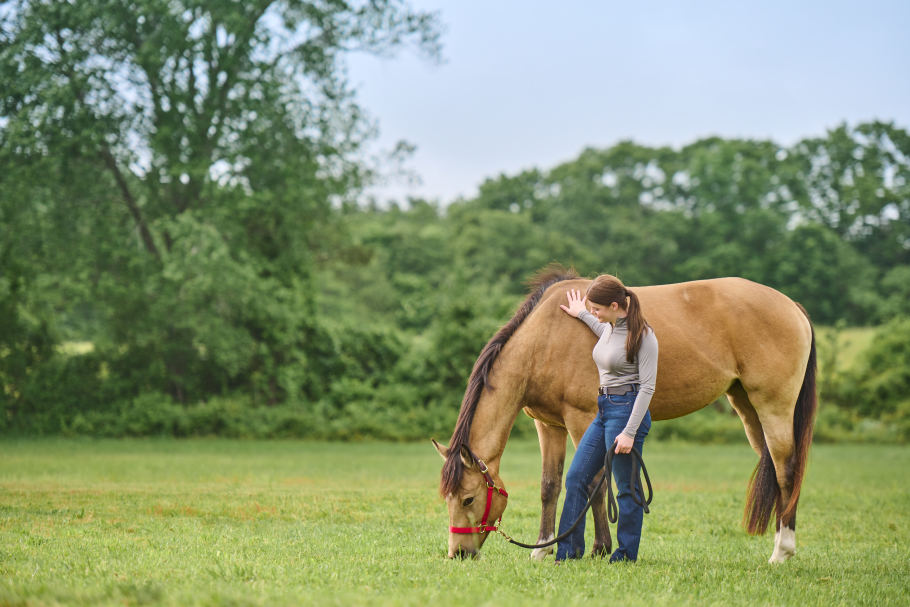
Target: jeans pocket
{"type": "Point", "coordinates": [620, 400]}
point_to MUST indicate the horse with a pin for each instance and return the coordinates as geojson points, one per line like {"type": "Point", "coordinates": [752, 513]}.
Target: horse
{"type": "Point", "coordinates": [717, 336]}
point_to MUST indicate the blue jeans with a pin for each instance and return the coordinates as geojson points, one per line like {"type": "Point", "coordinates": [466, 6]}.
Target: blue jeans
{"type": "Point", "coordinates": [612, 415]}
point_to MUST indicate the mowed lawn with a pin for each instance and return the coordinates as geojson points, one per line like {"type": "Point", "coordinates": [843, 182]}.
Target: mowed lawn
{"type": "Point", "coordinates": [218, 522]}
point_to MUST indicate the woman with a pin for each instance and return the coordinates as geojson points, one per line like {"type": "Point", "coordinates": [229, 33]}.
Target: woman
{"type": "Point", "coordinates": [626, 358]}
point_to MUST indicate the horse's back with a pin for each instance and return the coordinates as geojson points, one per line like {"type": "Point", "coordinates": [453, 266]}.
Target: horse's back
{"type": "Point", "coordinates": [711, 333]}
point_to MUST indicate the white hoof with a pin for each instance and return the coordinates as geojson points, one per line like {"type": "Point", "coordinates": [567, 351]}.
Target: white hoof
{"type": "Point", "coordinates": [784, 545]}
{"type": "Point", "coordinates": [539, 554]}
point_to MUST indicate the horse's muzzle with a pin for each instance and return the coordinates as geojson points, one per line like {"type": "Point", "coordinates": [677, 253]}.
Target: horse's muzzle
{"type": "Point", "coordinates": [463, 553]}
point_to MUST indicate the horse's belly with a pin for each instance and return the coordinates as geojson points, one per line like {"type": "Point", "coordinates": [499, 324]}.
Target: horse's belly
{"type": "Point", "coordinates": [670, 408]}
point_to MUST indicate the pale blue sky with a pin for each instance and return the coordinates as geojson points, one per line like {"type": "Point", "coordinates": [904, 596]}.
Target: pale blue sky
{"type": "Point", "coordinates": [530, 84]}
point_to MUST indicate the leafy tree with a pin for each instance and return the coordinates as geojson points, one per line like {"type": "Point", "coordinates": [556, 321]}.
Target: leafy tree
{"type": "Point", "coordinates": [857, 183]}
{"type": "Point", "coordinates": [878, 386]}
{"type": "Point", "coordinates": [826, 275]}
{"type": "Point", "coordinates": [500, 248]}
{"type": "Point", "coordinates": [894, 295]}
{"type": "Point", "coordinates": [182, 159]}
{"type": "Point", "coordinates": [25, 341]}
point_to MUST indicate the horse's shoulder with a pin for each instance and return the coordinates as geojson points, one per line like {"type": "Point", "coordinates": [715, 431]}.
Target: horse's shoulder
{"type": "Point", "coordinates": [556, 294]}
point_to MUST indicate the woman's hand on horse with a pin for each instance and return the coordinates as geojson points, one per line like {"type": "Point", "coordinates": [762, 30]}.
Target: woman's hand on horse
{"type": "Point", "coordinates": [624, 444]}
{"type": "Point", "coordinates": [576, 303]}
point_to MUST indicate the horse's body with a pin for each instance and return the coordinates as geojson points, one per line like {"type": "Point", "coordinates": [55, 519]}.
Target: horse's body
{"type": "Point", "coordinates": [723, 336]}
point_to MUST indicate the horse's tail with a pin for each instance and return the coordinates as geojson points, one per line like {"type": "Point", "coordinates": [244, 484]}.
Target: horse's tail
{"type": "Point", "coordinates": [803, 422]}
{"type": "Point", "coordinates": [480, 375]}
{"type": "Point", "coordinates": [764, 491]}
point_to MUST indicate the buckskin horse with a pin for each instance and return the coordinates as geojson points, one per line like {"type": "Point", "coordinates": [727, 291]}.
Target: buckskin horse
{"type": "Point", "coordinates": [720, 336]}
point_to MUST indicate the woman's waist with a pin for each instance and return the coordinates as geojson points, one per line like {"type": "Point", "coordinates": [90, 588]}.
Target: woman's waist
{"type": "Point", "coordinates": [617, 388]}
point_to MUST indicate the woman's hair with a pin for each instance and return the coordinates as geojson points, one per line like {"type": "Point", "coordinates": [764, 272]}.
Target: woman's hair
{"type": "Point", "coordinates": [604, 291]}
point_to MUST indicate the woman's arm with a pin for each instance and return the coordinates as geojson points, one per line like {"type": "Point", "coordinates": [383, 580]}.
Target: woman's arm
{"type": "Point", "coordinates": [577, 309]}
{"type": "Point", "coordinates": [595, 325]}
{"type": "Point", "coordinates": [647, 379]}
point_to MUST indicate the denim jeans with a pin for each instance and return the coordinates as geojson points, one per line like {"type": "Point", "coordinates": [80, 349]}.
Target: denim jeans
{"type": "Point", "coordinates": [612, 415]}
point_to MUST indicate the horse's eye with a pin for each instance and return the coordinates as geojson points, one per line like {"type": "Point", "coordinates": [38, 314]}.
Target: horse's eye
{"type": "Point", "coordinates": [467, 502]}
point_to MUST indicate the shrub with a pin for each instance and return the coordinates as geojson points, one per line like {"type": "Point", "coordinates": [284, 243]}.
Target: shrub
{"type": "Point", "coordinates": [880, 382]}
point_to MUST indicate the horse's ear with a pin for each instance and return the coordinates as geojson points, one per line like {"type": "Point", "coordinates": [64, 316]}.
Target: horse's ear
{"type": "Point", "coordinates": [443, 451]}
{"type": "Point", "coordinates": [467, 459]}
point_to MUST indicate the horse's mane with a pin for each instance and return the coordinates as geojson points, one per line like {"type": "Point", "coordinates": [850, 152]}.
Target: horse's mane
{"type": "Point", "coordinates": [453, 469]}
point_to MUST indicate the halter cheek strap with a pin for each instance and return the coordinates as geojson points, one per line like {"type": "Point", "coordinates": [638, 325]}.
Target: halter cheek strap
{"type": "Point", "coordinates": [491, 486]}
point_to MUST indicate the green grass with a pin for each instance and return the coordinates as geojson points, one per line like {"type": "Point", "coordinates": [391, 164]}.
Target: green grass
{"type": "Point", "coordinates": [265, 523]}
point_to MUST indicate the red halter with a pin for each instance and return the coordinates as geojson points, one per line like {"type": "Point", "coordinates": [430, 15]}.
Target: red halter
{"type": "Point", "coordinates": [484, 527]}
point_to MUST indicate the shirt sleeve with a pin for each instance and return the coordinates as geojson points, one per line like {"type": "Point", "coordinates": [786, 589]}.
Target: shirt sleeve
{"type": "Point", "coordinates": [591, 320]}
{"type": "Point", "coordinates": [647, 378]}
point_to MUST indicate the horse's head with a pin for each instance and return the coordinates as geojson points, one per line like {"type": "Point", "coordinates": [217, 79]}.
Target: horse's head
{"type": "Point", "coordinates": [475, 497]}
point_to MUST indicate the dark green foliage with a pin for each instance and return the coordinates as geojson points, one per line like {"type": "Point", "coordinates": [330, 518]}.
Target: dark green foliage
{"type": "Point", "coordinates": [894, 297]}
{"type": "Point", "coordinates": [26, 344]}
{"type": "Point", "coordinates": [170, 170]}
{"type": "Point", "coordinates": [827, 275]}
{"type": "Point", "coordinates": [179, 190]}
{"type": "Point", "coordinates": [878, 387]}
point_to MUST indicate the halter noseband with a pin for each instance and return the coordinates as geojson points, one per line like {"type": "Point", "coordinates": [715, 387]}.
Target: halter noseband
{"type": "Point", "coordinates": [484, 527]}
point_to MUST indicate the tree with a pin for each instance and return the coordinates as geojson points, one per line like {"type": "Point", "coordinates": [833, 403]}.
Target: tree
{"type": "Point", "coordinates": [182, 159]}
{"type": "Point", "coordinates": [826, 275]}
{"type": "Point", "coordinates": [878, 384]}
{"type": "Point", "coordinates": [857, 183]}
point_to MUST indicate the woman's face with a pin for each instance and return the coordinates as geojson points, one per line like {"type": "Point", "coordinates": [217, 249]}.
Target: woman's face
{"type": "Point", "coordinates": [604, 313]}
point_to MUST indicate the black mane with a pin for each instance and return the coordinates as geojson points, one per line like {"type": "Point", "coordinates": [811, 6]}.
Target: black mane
{"type": "Point", "coordinates": [453, 469]}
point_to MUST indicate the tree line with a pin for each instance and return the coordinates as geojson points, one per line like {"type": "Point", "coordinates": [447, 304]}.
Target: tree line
{"type": "Point", "coordinates": [185, 249]}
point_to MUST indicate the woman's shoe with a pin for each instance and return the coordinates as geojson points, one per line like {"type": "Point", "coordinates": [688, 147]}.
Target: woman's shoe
{"type": "Point", "coordinates": [619, 557]}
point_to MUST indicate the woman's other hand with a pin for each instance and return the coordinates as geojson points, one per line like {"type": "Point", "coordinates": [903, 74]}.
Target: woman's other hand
{"type": "Point", "coordinates": [576, 303]}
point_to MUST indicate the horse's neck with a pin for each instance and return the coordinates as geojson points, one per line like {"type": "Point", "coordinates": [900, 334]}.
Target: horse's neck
{"type": "Point", "coordinates": [491, 426]}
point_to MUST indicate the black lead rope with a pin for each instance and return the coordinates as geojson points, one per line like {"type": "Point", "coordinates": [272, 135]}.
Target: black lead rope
{"type": "Point", "coordinates": [638, 495]}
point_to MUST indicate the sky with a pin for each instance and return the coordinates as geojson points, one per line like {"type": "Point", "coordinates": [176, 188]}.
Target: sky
{"type": "Point", "coordinates": [530, 84]}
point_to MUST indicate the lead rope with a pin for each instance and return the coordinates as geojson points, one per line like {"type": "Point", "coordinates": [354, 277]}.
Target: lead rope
{"type": "Point", "coordinates": [612, 508]}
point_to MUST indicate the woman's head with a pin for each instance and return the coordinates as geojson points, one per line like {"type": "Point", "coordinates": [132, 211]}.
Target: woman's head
{"type": "Point", "coordinates": [607, 290]}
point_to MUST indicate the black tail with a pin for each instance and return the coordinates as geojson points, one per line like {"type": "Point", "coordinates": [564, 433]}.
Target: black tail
{"type": "Point", "coordinates": [803, 422]}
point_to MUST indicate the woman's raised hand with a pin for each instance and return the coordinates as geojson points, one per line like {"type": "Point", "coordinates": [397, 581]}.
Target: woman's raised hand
{"type": "Point", "coordinates": [576, 303]}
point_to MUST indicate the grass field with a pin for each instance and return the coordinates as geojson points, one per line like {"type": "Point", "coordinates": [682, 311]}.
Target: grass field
{"type": "Point", "coordinates": [263, 523]}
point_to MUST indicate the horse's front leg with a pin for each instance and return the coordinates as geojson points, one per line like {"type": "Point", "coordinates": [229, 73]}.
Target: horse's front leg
{"type": "Point", "coordinates": [553, 456]}
{"type": "Point", "coordinates": [603, 541]}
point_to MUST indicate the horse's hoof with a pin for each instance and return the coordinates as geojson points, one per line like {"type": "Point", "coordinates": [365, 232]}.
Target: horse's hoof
{"type": "Point", "coordinates": [539, 554]}
{"type": "Point", "coordinates": [779, 557]}
{"type": "Point", "coordinates": [600, 551]}
{"type": "Point", "coordinates": [784, 545]}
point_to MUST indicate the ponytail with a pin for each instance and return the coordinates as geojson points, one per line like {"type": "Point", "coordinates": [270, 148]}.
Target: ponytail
{"type": "Point", "coordinates": [637, 324]}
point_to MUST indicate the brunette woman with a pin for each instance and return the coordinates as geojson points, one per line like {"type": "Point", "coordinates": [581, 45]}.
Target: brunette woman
{"type": "Point", "coordinates": [626, 359]}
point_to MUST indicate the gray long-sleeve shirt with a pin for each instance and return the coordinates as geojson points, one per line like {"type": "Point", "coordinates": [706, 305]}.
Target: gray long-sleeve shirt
{"type": "Point", "coordinates": [610, 357]}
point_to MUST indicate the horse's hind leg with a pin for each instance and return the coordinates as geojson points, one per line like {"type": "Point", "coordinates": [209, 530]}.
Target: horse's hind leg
{"type": "Point", "coordinates": [777, 428]}
{"type": "Point", "coordinates": [785, 536]}
{"type": "Point", "coordinates": [553, 457]}
{"type": "Point", "coordinates": [779, 437]}
{"type": "Point", "coordinates": [738, 398]}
